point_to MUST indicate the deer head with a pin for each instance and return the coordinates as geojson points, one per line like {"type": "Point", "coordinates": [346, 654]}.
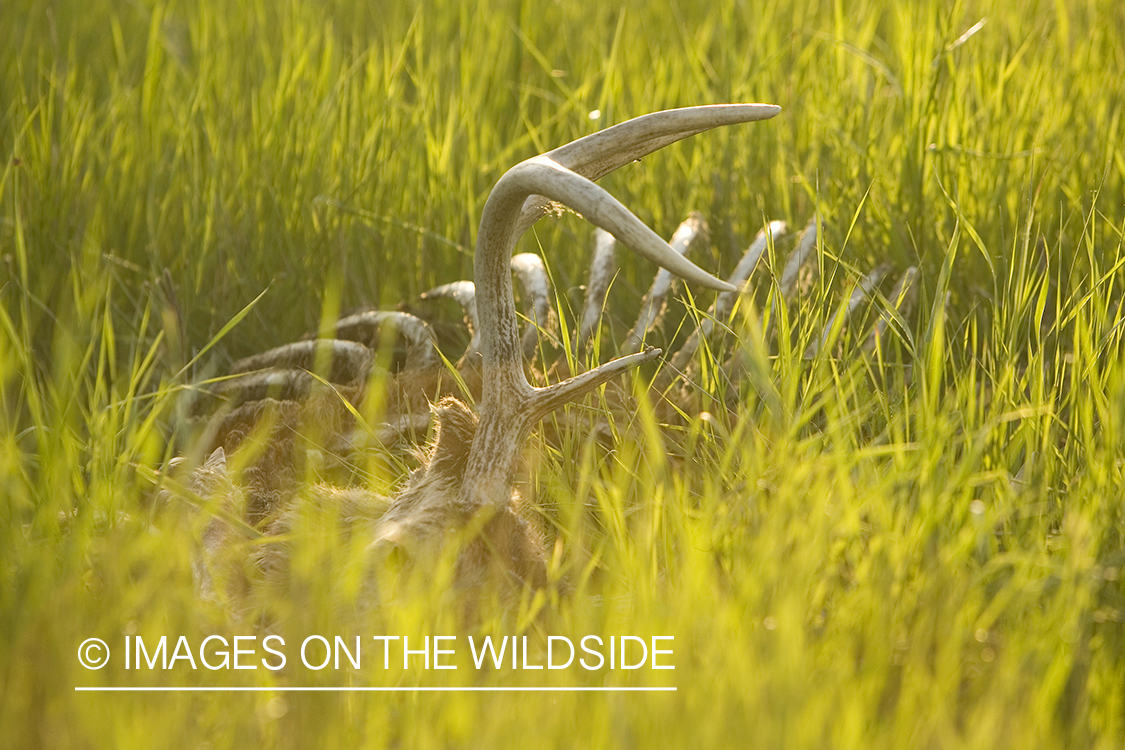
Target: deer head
{"type": "Point", "coordinates": [468, 472]}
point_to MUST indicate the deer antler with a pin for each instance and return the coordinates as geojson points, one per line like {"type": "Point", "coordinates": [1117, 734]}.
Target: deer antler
{"type": "Point", "coordinates": [470, 466]}
{"type": "Point", "coordinates": [510, 406]}
{"type": "Point", "coordinates": [598, 154]}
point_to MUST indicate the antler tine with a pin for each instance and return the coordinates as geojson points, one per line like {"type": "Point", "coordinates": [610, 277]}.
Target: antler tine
{"type": "Point", "coordinates": [860, 295]}
{"type": "Point", "coordinates": [693, 229]}
{"type": "Point", "coordinates": [464, 293]}
{"type": "Point", "coordinates": [536, 289]}
{"type": "Point", "coordinates": [721, 311]}
{"type": "Point", "coordinates": [901, 300]}
{"type": "Point", "coordinates": [509, 406]}
{"type": "Point", "coordinates": [724, 305]}
{"type": "Point", "coordinates": [602, 268]}
{"type": "Point", "coordinates": [347, 361]}
{"type": "Point", "coordinates": [366, 327]}
{"type": "Point", "coordinates": [801, 256]}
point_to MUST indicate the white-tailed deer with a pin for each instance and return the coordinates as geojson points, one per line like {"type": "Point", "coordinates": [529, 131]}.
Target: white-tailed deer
{"type": "Point", "coordinates": [463, 491]}
{"type": "Point", "coordinates": [466, 478]}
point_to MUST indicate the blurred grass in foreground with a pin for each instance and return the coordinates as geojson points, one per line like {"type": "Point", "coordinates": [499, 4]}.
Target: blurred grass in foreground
{"type": "Point", "coordinates": [936, 562]}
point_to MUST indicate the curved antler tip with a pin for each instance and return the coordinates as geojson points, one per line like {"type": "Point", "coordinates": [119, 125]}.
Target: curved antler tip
{"type": "Point", "coordinates": [690, 120]}
{"type": "Point", "coordinates": [754, 110]}
{"type": "Point", "coordinates": [771, 108]}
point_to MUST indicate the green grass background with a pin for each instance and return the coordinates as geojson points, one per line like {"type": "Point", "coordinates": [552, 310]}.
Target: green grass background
{"type": "Point", "coordinates": [935, 563]}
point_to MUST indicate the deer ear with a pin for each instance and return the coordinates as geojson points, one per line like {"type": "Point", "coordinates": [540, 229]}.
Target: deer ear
{"type": "Point", "coordinates": [217, 461]}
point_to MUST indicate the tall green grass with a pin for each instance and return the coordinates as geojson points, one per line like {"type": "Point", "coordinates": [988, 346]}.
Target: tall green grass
{"type": "Point", "coordinates": [922, 549]}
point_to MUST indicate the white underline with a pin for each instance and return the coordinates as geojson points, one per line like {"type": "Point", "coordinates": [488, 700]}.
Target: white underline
{"type": "Point", "coordinates": [305, 689]}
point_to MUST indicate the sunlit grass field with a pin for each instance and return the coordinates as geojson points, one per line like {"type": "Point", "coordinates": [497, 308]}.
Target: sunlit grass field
{"type": "Point", "coordinates": [919, 548]}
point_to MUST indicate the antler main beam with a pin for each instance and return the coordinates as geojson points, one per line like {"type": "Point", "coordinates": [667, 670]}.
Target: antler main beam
{"type": "Point", "coordinates": [598, 154]}
{"type": "Point", "coordinates": [510, 406]}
